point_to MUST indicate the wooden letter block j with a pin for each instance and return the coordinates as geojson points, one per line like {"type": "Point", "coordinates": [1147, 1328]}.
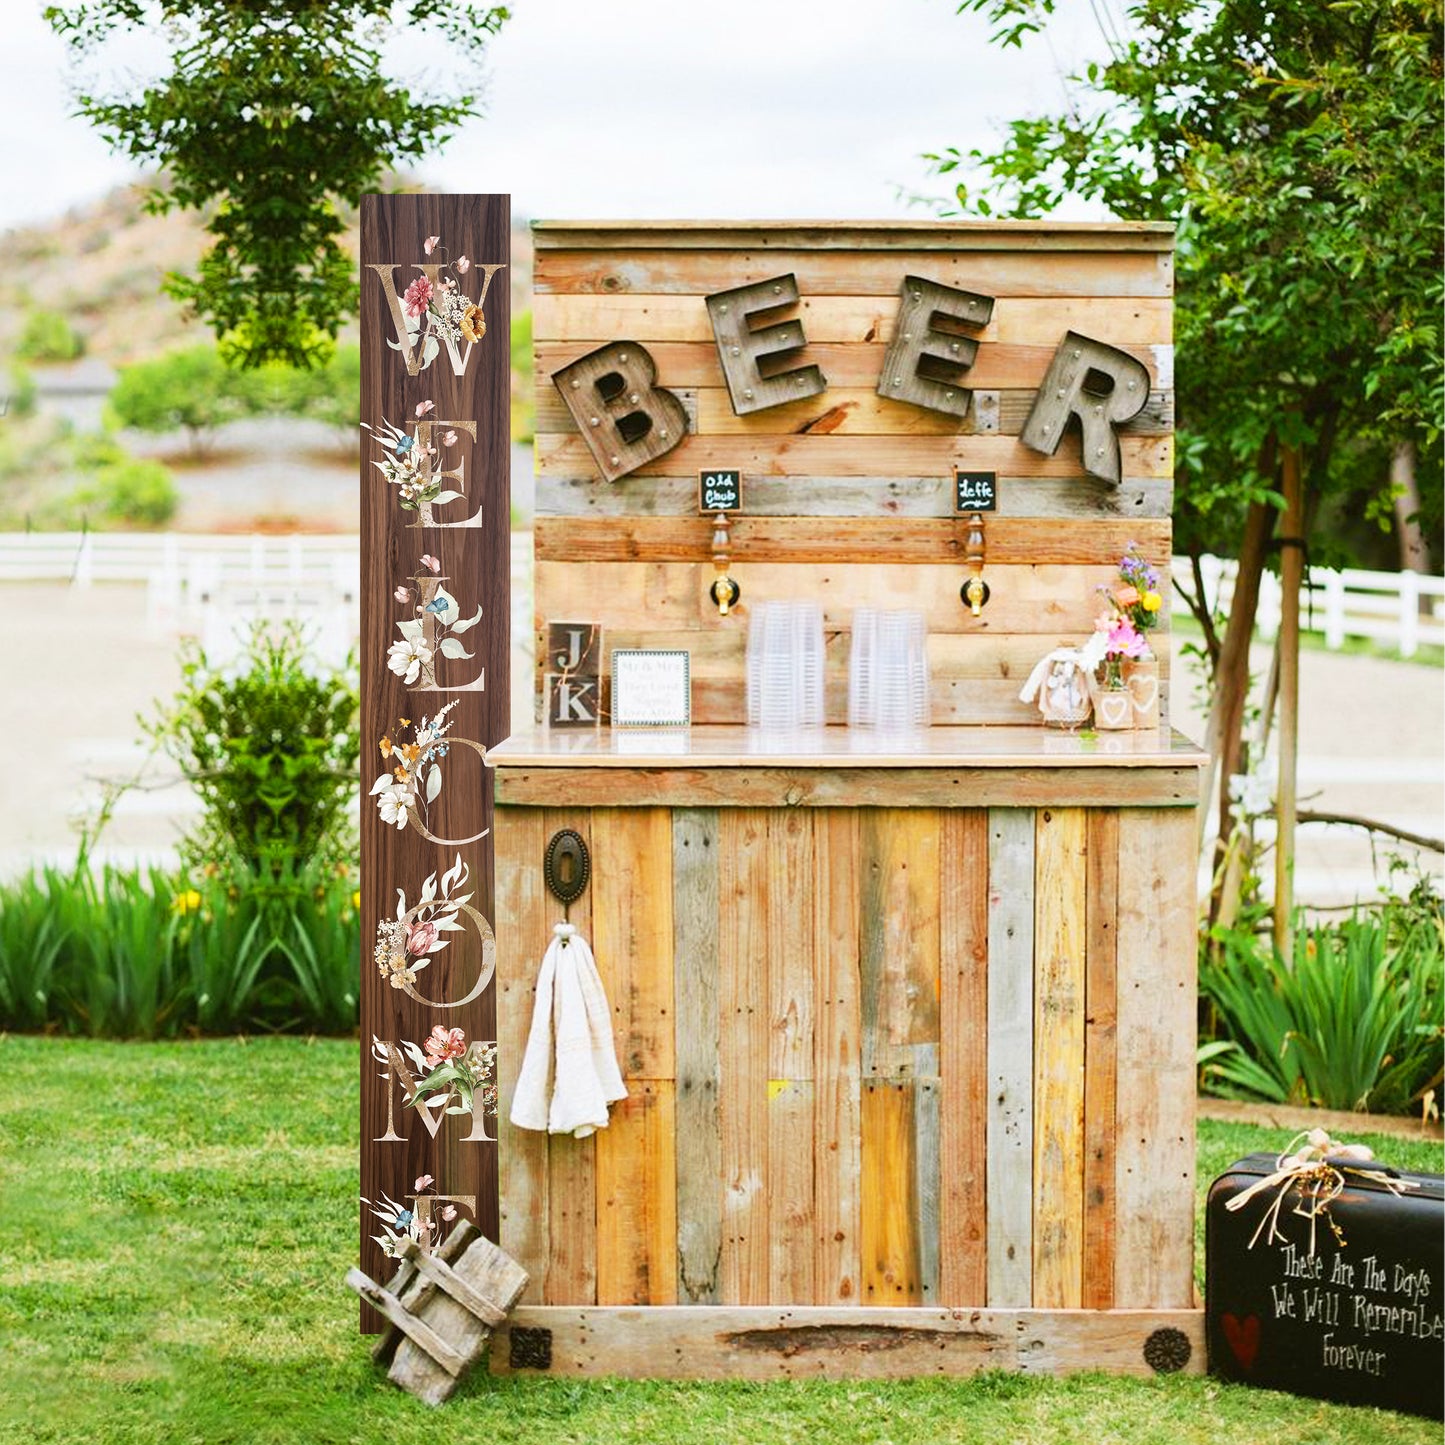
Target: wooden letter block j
{"type": "Point", "coordinates": [624, 417]}
{"type": "Point", "coordinates": [573, 676]}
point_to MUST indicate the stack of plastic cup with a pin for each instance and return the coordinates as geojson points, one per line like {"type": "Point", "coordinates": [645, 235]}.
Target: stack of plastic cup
{"type": "Point", "coordinates": [785, 665]}
{"type": "Point", "coordinates": [888, 670]}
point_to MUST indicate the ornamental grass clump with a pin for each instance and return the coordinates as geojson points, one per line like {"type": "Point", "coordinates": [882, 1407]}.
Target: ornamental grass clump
{"type": "Point", "coordinates": [1351, 1020]}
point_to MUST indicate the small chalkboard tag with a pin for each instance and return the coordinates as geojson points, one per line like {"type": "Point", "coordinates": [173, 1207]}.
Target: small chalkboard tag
{"type": "Point", "coordinates": [720, 490]}
{"type": "Point", "coordinates": [651, 688]}
{"type": "Point", "coordinates": [975, 491]}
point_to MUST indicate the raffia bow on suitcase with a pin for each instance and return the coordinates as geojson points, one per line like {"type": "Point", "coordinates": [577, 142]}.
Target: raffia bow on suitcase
{"type": "Point", "coordinates": [1314, 1166]}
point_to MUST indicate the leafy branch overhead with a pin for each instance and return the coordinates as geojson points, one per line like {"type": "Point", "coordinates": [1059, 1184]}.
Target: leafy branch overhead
{"type": "Point", "coordinates": [1297, 146]}
{"type": "Point", "coordinates": [274, 116]}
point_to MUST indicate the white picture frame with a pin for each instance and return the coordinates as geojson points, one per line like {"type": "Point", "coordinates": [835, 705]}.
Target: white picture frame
{"type": "Point", "coordinates": [651, 688]}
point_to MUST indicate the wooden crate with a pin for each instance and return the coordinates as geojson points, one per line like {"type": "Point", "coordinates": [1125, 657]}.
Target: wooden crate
{"type": "Point", "coordinates": [847, 496]}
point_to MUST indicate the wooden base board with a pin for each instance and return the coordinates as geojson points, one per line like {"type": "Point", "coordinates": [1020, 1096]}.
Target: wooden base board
{"type": "Point", "coordinates": [705, 1342]}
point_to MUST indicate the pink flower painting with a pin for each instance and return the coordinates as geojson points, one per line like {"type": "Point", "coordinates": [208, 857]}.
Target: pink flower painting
{"type": "Point", "coordinates": [418, 295]}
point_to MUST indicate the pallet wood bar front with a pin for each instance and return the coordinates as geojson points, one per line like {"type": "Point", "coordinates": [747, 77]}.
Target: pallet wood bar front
{"type": "Point", "coordinates": [867, 1019]}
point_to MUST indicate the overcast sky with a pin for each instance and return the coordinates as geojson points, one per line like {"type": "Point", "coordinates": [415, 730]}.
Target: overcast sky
{"type": "Point", "coordinates": [648, 108]}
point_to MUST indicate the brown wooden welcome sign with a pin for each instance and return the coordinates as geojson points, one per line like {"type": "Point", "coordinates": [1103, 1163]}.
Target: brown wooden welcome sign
{"type": "Point", "coordinates": [435, 392]}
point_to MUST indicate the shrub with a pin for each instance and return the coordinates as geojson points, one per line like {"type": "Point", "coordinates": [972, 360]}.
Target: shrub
{"type": "Point", "coordinates": [134, 491]}
{"type": "Point", "coordinates": [143, 954]}
{"type": "Point", "coordinates": [271, 747]}
{"type": "Point", "coordinates": [49, 336]}
{"type": "Point", "coordinates": [330, 393]}
{"type": "Point", "coordinates": [18, 398]}
{"type": "Point", "coordinates": [1352, 1020]}
{"type": "Point", "coordinates": [191, 389]}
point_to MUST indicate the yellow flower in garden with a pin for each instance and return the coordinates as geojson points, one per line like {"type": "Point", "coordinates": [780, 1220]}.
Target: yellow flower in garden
{"type": "Point", "coordinates": [356, 898]}
{"type": "Point", "coordinates": [1152, 601]}
{"type": "Point", "coordinates": [186, 902]}
{"type": "Point", "coordinates": [474, 324]}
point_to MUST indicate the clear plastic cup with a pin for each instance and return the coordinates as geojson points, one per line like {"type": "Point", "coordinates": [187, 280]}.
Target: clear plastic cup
{"type": "Point", "coordinates": [888, 670]}
{"type": "Point", "coordinates": [785, 665]}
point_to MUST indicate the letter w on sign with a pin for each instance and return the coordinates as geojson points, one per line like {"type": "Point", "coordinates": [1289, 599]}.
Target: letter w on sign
{"type": "Point", "coordinates": [406, 341]}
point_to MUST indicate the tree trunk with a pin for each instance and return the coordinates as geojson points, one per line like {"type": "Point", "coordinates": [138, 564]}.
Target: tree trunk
{"type": "Point", "coordinates": [1291, 569]}
{"type": "Point", "coordinates": [1222, 737]}
{"type": "Point", "coordinates": [1414, 551]}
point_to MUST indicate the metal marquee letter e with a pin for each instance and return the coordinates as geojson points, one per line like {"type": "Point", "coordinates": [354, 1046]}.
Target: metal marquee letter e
{"type": "Point", "coordinates": [1102, 386]}
{"type": "Point", "coordinates": [625, 418]}
{"type": "Point", "coordinates": [930, 354]}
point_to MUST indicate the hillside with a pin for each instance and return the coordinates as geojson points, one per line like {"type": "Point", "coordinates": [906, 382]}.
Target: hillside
{"type": "Point", "coordinates": [102, 266]}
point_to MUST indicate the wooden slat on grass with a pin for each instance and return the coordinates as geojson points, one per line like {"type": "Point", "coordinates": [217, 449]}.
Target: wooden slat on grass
{"type": "Point", "coordinates": [699, 1144]}
{"type": "Point", "coordinates": [522, 934]}
{"type": "Point", "coordinates": [1154, 1169]}
{"type": "Point", "coordinates": [743, 890]}
{"type": "Point", "coordinates": [1099, 1057]}
{"type": "Point", "coordinates": [836, 1045]}
{"type": "Point", "coordinates": [963, 1057]}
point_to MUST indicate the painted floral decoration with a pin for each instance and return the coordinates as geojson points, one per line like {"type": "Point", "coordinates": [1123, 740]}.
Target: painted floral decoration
{"type": "Point", "coordinates": [451, 1073]}
{"type": "Point", "coordinates": [441, 312]}
{"type": "Point", "coordinates": [411, 467]}
{"type": "Point", "coordinates": [435, 628]}
{"type": "Point", "coordinates": [415, 778]}
{"type": "Point", "coordinates": [407, 943]}
{"type": "Point", "coordinates": [399, 1223]}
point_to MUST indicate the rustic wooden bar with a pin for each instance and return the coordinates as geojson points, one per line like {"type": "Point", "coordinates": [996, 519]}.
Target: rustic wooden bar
{"type": "Point", "coordinates": [907, 1026]}
{"type": "Point", "coordinates": [901, 1029]}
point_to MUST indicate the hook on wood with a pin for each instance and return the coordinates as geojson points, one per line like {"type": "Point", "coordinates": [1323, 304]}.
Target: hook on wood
{"type": "Point", "coordinates": [566, 866]}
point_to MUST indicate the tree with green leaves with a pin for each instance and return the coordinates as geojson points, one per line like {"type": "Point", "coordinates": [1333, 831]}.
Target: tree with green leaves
{"type": "Point", "coordinates": [275, 116]}
{"type": "Point", "coordinates": [1297, 146]}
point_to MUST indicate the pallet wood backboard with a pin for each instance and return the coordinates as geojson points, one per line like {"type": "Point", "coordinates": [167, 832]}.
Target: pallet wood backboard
{"type": "Point", "coordinates": [848, 495]}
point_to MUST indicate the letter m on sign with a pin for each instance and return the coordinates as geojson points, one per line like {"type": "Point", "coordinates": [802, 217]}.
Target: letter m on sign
{"type": "Point", "coordinates": [401, 1080]}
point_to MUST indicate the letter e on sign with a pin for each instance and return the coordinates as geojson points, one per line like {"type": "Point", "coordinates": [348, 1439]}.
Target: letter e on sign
{"type": "Point", "coordinates": [754, 360]}
{"type": "Point", "coordinates": [931, 352]}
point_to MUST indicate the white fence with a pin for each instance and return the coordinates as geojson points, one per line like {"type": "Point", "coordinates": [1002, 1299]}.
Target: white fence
{"type": "Point", "coordinates": [212, 586]}
{"type": "Point", "coordinates": [1399, 609]}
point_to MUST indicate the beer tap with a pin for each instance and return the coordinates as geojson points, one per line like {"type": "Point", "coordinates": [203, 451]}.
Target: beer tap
{"type": "Point", "coordinates": [975, 592]}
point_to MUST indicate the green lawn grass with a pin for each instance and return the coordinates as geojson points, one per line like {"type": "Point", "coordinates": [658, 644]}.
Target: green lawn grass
{"type": "Point", "coordinates": [180, 1217]}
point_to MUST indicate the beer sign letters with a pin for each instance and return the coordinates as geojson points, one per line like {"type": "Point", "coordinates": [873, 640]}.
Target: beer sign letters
{"type": "Point", "coordinates": [627, 420]}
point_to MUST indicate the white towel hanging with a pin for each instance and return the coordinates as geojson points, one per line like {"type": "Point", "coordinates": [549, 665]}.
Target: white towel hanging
{"type": "Point", "coordinates": [569, 1072]}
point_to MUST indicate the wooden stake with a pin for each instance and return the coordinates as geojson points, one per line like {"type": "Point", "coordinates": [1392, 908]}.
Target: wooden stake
{"type": "Point", "coordinates": [1291, 575]}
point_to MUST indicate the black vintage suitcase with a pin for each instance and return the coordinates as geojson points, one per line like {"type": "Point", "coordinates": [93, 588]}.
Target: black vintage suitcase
{"type": "Point", "coordinates": [1361, 1321]}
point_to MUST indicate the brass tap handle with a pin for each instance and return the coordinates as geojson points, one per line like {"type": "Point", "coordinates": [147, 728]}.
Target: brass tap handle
{"type": "Point", "coordinates": [975, 592]}
{"type": "Point", "coordinates": [724, 590]}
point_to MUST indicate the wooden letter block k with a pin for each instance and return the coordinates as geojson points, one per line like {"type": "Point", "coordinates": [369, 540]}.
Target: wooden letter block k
{"type": "Point", "coordinates": [625, 418]}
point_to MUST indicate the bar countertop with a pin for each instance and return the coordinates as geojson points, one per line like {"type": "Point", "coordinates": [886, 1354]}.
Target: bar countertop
{"type": "Point", "coordinates": [716, 746]}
